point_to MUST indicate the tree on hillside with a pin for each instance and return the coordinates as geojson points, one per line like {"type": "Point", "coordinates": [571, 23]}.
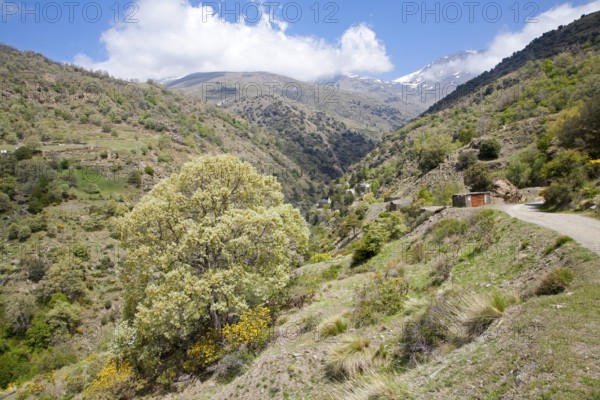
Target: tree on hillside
{"type": "Point", "coordinates": [431, 150]}
{"type": "Point", "coordinates": [583, 131]}
{"type": "Point", "coordinates": [203, 246]}
{"type": "Point", "coordinates": [489, 149]}
{"type": "Point", "coordinates": [477, 177]}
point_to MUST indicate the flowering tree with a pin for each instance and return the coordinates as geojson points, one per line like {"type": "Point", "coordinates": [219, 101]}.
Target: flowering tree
{"type": "Point", "coordinates": [204, 246]}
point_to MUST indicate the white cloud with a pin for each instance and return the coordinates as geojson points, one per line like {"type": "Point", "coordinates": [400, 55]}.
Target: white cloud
{"type": "Point", "coordinates": [175, 38]}
{"type": "Point", "coordinates": [506, 43]}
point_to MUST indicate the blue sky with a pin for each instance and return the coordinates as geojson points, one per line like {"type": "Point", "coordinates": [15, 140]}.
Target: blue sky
{"type": "Point", "coordinates": [383, 38]}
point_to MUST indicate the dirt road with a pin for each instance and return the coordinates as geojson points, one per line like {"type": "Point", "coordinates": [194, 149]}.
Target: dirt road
{"type": "Point", "coordinates": [584, 230]}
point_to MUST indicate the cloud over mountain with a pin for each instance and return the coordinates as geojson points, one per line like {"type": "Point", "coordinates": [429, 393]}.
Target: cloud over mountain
{"type": "Point", "coordinates": [175, 38]}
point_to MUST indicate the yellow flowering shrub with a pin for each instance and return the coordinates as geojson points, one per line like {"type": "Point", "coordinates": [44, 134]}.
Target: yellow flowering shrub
{"type": "Point", "coordinates": [203, 353]}
{"type": "Point", "coordinates": [596, 162]}
{"type": "Point", "coordinates": [35, 388]}
{"type": "Point", "coordinates": [252, 330]}
{"type": "Point", "coordinates": [114, 381]}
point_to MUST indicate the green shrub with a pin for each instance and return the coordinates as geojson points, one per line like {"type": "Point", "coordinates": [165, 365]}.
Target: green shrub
{"type": "Point", "coordinates": [5, 203]}
{"type": "Point", "coordinates": [135, 179]}
{"type": "Point", "coordinates": [333, 327]}
{"type": "Point", "coordinates": [489, 149]}
{"type": "Point", "coordinates": [52, 359]}
{"type": "Point", "coordinates": [18, 313]}
{"type": "Point", "coordinates": [39, 334]}
{"type": "Point", "coordinates": [8, 185]}
{"type": "Point", "coordinates": [466, 159]}
{"type": "Point", "coordinates": [38, 223]}
{"type": "Point", "coordinates": [431, 150]}
{"type": "Point", "coordinates": [477, 177]}
{"type": "Point", "coordinates": [554, 282]}
{"type": "Point", "coordinates": [14, 364]}
{"type": "Point", "coordinates": [80, 251]}
{"type": "Point", "coordinates": [93, 224]}
{"type": "Point", "coordinates": [67, 277]}
{"type": "Point", "coordinates": [392, 224]}
{"type": "Point", "coordinates": [319, 257]}
{"type": "Point", "coordinates": [13, 231]}
{"type": "Point", "coordinates": [581, 130]}
{"type": "Point", "coordinates": [91, 188]}
{"type": "Point", "coordinates": [24, 232]}
{"type": "Point", "coordinates": [35, 267]}
{"type": "Point", "coordinates": [569, 165]}
{"type": "Point", "coordinates": [424, 196]}
{"type": "Point", "coordinates": [380, 296]}
{"type": "Point", "coordinates": [57, 298]}
{"type": "Point", "coordinates": [449, 227]}
{"type": "Point", "coordinates": [64, 164]}
{"type": "Point", "coordinates": [557, 196]}
{"type": "Point", "coordinates": [63, 318]}
{"type": "Point", "coordinates": [332, 272]}
{"type": "Point", "coordinates": [149, 170]}
{"type": "Point", "coordinates": [164, 157]}
{"type": "Point", "coordinates": [23, 153]}
{"type": "Point", "coordinates": [370, 245]}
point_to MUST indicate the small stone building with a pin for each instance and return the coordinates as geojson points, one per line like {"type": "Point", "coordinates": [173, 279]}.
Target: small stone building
{"type": "Point", "coordinates": [364, 187]}
{"type": "Point", "coordinates": [476, 199]}
{"type": "Point", "coordinates": [399, 204]}
{"type": "Point", "coordinates": [324, 202]}
{"type": "Point", "coordinates": [394, 205]}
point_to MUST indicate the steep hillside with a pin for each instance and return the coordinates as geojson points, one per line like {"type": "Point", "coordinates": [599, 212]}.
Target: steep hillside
{"type": "Point", "coordinates": [66, 112]}
{"type": "Point", "coordinates": [316, 125]}
{"type": "Point", "coordinates": [238, 91]}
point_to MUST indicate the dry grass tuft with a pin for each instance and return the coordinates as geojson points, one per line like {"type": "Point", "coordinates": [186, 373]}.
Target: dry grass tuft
{"type": "Point", "coordinates": [554, 282]}
{"type": "Point", "coordinates": [374, 387]}
{"type": "Point", "coordinates": [351, 358]}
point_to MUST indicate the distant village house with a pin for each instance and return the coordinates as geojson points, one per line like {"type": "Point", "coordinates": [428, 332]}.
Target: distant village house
{"type": "Point", "coordinates": [323, 202]}
{"type": "Point", "coordinates": [364, 187]}
{"type": "Point", "coordinates": [476, 199]}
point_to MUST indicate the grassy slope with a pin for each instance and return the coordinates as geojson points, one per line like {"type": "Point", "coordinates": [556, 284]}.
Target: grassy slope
{"type": "Point", "coordinates": [546, 346]}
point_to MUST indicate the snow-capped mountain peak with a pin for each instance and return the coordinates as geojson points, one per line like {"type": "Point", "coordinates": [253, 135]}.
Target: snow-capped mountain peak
{"type": "Point", "coordinates": [444, 71]}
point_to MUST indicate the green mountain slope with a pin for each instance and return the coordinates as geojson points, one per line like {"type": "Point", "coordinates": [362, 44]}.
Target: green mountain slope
{"type": "Point", "coordinates": [68, 112]}
{"type": "Point", "coordinates": [317, 125]}
{"type": "Point", "coordinates": [535, 112]}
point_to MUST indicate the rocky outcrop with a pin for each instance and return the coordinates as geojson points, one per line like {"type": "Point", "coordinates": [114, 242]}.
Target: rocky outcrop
{"type": "Point", "coordinates": [508, 192]}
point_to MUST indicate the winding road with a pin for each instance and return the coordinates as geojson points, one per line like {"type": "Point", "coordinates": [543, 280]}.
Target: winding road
{"type": "Point", "coordinates": [582, 229]}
